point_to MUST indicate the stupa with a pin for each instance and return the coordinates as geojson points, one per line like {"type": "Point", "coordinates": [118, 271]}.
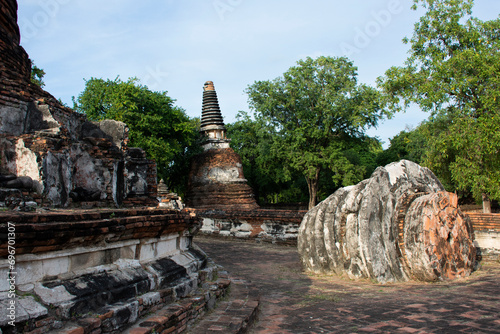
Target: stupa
{"type": "Point", "coordinates": [216, 179]}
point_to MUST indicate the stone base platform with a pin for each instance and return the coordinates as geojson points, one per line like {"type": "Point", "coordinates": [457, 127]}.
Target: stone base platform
{"type": "Point", "coordinates": [274, 226]}
{"type": "Point", "coordinates": [157, 313]}
{"type": "Point", "coordinates": [102, 271]}
{"type": "Point", "coordinates": [487, 231]}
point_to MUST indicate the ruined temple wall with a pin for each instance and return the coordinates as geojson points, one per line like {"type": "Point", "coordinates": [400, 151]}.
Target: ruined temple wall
{"type": "Point", "coordinates": [70, 159]}
{"type": "Point", "coordinates": [275, 226]}
{"type": "Point", "coordinates": [8, 17]}
{"type": "Point", "coordinates": [16, 65]}
{"type": "Point", "coordinates": [22, 103]}
{"type": "Point", "coordinates": [101, 271]}
{"type": "Point", "coordinates": [88, 173]}
{"type": "Point", "coordinates": [281, 226]}
{"type": "Point", "coordinates": [487, 231]}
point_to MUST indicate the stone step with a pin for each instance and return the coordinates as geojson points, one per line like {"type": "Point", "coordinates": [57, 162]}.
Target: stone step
{"type": "Point", "coordinates": [148, 314]}
{"type": "Point", "coordinates": [234, 310]}
{"type": "Point", "coordinates": [234, 315]}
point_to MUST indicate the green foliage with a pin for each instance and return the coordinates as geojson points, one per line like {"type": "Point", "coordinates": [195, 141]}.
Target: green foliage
{"type": "Point", "coordinates": [163, 130]}
{"type": "Point", "coordinates": [37, 75]}
{"type": "Point", "coordinates": [453, 71]}
{"type": "Point", "coordinates": [312, 115]}
{"type": "Point", "coordinates": [408, 144]}
{"type": "Point", "coordinates": [252, 141]}
{"type": "Point", "coordinates": [452, 65]}
{"type": "Point", "coordinates": [473, 144]}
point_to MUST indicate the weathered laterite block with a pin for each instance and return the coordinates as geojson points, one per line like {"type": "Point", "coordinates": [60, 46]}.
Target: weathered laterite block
{"type": "Point", "coordinates": [397, 225]}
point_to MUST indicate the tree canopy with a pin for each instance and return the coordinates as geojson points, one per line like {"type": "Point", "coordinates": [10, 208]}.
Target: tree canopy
{"type": "Point", "coordinates": [37, 75]}
{"type": "Point", "coordinates": [453, 71]}
{"type": "Point", "coordinates": [155, 124]}
{"type": "Point", "coordinates": [312, 114]}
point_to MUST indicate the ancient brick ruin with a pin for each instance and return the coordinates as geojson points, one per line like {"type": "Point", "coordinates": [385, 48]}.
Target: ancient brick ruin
{"type": "Point", "coordinates": [261, 225]}
{"type": "Point", "coordinates": [83, 271]}
{"type": "Point", "coordinates": [51, 155]}
{"type": "Point", "coordinates": [102, 271]}
{"type": "Point", "coordinates": [397, 225]}
{"type": "Point", "coordinates": [137, 270]}
{"type": "Point", "coordinates": [216, 179]}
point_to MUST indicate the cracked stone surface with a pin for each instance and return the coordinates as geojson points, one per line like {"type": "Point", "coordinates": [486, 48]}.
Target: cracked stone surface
{"type": "Point", "coordinates": [397, 225]}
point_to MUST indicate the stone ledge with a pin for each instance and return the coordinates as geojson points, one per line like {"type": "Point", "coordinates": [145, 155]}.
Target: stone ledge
{"type": "Point", "coordinates": [177, 317]}
{"type": "Point", "coordinates": [117, 265]}
{"type": "Point", "coordinates": [275, 226]}
{"type": "Point", "coordinates": [174, 307]}
{"type": "Point", "coordinates": [51, 232]}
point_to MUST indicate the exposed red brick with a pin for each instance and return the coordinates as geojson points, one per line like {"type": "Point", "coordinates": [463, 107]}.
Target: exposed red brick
{"type": "Point", "coordinates": [140, 330]}
{"type": "Point", "coordinates": [157, 319]}
{"type": "Point", "coordinates": [78, 330]}
{"type": "Point", "coordinates": [217, 190]}
{"type": "Point", "coordinates": [63, 231]}
{"type": "Point", "coordinates": [41, 330]}
{"type": "Point", "coordinates": [44, 322]}
{"type": "Point", "coordinates": [90, 323]}
{"type": "Point", "coordinates": [169, 330]}
{"type": "Point", "coordinates": [485, 221]}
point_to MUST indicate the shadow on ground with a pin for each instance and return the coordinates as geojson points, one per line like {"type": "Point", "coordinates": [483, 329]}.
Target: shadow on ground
{"type": "Point", "coordinates": [295, 302]}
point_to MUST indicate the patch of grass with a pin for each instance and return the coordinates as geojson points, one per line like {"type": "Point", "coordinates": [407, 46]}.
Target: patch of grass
{"type": "Point", "coordinates": [330, 298]}
{"type": "Point", "coordinates": [29, 294]}
{"type": "Point", "coordinates": [318, 298]}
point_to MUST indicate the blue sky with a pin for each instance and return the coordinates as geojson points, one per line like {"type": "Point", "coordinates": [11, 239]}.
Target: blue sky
{"type": "Point", "coordinates": [175, 46]}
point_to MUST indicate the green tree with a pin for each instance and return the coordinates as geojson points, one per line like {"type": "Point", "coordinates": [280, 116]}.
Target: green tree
{"type": "Point", "coordinates": [312, 114]}
{"type": "Point", "coordinates": [409, 144]}
{"type": "Point", "coordinates": [247, 141]}
{"type": "Point", "coordinates": [252, 140]}
{"type": "Point", "coordinates": [453, 71]}
{"type": "Point", "coordinates": [37, 75]}
{"type": "Point", "coordinates": [155, 124]}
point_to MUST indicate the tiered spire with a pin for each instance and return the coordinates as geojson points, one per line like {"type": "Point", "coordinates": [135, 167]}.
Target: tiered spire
{"type": "Point", "coordinates": [211, 116]}
{"type": "Point", "coordinates": [216, 178]}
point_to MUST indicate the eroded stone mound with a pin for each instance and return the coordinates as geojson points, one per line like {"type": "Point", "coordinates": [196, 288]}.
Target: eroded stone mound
{"type": "Point", "coordinates": [397, 225]}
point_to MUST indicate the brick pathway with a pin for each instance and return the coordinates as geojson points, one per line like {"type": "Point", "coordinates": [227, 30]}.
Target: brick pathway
{"type": "Point", "coordinates": [294, 302]}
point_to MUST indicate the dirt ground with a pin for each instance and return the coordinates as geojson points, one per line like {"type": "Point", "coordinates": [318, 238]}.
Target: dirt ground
{"type": "Point", "coordinates": [296, 302]}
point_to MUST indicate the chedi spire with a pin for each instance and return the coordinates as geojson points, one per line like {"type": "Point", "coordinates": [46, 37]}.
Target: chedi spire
{"type": "Point", "coordinates": [216, 179]}
{"type": "Point", "coordinates": [212, 122]}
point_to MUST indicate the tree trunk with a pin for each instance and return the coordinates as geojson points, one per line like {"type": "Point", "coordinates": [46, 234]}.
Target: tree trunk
{"type": "Point", "coordinates": [486, 203]}
{"type": "Point", "coordinates": [313, 185]}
